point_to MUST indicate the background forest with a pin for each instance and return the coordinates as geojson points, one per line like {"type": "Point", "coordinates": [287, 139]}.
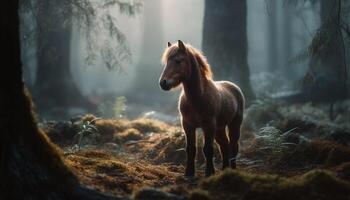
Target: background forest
{"type": "Point", "coordinates": [100, 51]}
{"type": "Point", "coordinates": [90, 121]}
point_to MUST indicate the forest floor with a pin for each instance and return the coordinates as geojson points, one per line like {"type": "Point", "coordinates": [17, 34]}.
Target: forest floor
{"type": "Point", "coordinates": [285, 151]}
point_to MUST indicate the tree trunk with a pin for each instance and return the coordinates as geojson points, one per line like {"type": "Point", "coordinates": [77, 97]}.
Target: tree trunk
{"type": "Point", "coordinates": [31, 166]}
{"type": "Point", "coordinates": [148, 68]}
{"type": "Point", "coordinates": [272, 36]}
{"type": "Point", "coordinates": [54, 86]}
{"type": "Point", "coordinates": [327, 69]}
{"type": "Point", "coordinates": [225, 41]}
{"type": "Point", "coordinates": [287, 40]}
{"type": "Point", "coordinates": [332, 54]}
{"type": "Point", "coordinates": [328, 56]}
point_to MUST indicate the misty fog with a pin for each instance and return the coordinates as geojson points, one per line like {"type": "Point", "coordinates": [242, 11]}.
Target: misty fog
{"type": "Point", "coordinates": [148, 31]}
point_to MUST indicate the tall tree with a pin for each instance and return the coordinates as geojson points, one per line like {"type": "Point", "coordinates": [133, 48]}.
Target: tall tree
{"type": "Point", "coordinates": [31, 166]}
{"type": "Point", "coordinates": [225, 41]}
{"type": "Point", "coordinates": [287, 39]}
{"type": "Point", "coordinates": [273, 53]}
{"type": "Point", "coordinates": [54, 85]}
{"type": "Point", "coordinates": [148, 67]}
{"type": "Point", "coordinates": [327, 64]}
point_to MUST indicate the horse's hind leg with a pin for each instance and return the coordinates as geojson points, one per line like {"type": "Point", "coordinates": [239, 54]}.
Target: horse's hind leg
{"type": "Point", "coordinates": [190, 148]}
{"type": "Point", "coordinates": [222, 140]}
{"type": "Point", "coordinates": [234, 133]}
{"type": "Point", "coordinates": [209, 131]}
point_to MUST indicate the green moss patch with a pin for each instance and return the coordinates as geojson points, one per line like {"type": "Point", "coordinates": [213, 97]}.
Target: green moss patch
{"type": "Point", "coordinates": [232, 185]}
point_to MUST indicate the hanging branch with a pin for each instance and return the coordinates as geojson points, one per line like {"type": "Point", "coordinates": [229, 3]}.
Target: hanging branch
{"type": "Point", "coordinates": [93, 19]}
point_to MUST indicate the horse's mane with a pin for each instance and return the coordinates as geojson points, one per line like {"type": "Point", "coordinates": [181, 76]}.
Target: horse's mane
{"type": "Point", "coordinates": [196, 54]}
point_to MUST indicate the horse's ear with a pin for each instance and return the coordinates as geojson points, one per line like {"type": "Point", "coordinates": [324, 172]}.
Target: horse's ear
{"type": "Point", "coordinates": [181, 45]}
{"type": "Point", "coordinates": [169, 44]}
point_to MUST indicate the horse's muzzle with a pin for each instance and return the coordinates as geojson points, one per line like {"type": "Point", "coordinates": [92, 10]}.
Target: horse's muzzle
{"type": "Point", "coordinates": [165, 84]}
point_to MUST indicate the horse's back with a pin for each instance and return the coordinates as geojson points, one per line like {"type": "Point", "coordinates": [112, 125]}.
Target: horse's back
{"type": "Point", "coordinates": [235, 93]}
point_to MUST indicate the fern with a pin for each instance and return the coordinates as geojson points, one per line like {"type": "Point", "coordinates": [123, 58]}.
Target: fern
{"type": "Point", "coordinates": [273, 140]}
{"type": "Point", "coordinates": [87, 128]}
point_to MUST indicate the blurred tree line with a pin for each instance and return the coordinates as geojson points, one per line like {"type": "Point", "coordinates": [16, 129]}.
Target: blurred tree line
{"type": "Point", "coordinates": [47, 27]}
{"type": "Point", "coordinates": [326, 79]}
{"type": "Point", "coordinates": [30, 165]}
{"type": "Point", "coordinates": [224, 42]}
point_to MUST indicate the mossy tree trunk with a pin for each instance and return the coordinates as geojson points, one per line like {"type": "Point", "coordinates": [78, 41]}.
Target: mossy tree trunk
{"type": "Point", "coordinates": [225, 41]}
{"type": "Point", "coordinates": [31, 167]}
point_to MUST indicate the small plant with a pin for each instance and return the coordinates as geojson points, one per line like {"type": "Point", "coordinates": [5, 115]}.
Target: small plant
{"type": "Point", "coordinates": [87, 128]}
{"type": "Point", "coordinates": [272, 141]}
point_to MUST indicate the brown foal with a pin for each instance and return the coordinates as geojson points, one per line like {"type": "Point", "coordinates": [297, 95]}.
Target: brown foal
{"type": "Point", "coordinates": [203, 103]}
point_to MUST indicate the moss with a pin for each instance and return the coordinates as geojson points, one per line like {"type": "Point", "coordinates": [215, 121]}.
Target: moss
{"type": "Point", "coordinates": [119, 175]}
{"type": "Point", "coordinates": [145, 125]}
{"type": "Point", "coordinates": [343, 171]}
{"type": "Point", "coordinates": [128, 134]}
{"type": "Point", "coordinates": [180, 190]}
{"type": "Point", "coordinates": [200, 195]}
{"type": "Point", "coordinates": [315, 184]}
{"type": "Point", "coordinates": [169, 147]}
{"type": "Point", "coordinates": [317, 152]}
{"type": "Point", "coordinates": [109, 126]}
{"type": "Point", "coordinates": [88, 118]}
{"type": "Point", "coordinates": [288, 151]}
{"type": "Point", "coordinates": [116, 167]}
{"type": "Point", "coordinates": [154, 194]}
{"type": "Point", "coordinates": [324, 184]}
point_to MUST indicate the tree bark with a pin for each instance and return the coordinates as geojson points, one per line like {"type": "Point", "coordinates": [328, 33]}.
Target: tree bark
{"type": "Point", "coordinates": [328, 56]}
{"type": "Point", "coordinates": [31, 167]}
{"type": "Point", "coordinates": [272, 36]}
{"type": "Point", "coordinates": [54, 85]}
{"type": "Point", "coordinates": [225, 42]}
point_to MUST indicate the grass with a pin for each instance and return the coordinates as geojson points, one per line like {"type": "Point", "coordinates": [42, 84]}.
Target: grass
{"type": "Point", "coordinates": [317, 152]}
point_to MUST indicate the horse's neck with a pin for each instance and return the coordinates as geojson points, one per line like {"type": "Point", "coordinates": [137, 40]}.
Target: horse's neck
{"type": "Point", "coordinates": [194, 86]}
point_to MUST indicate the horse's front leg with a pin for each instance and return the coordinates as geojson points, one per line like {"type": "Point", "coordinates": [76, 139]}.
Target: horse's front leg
{"type": "Point", "coordinates": [190, 132]}
{"type": "Point", "coordinates": [208, 148]}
